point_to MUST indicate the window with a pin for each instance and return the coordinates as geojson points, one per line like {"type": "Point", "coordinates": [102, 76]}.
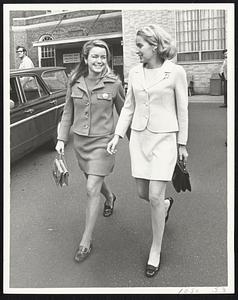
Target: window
{"type": "Point", "coordinates": [32, 88]}
{"type": "Point", "coordinates": [200, 34]}
{"type": "Point", "coordinates": [47, 53]}
{"type": "Point", "coordinates": [55, 80]}
{"type": "Point", "coordinates": [14, 94]}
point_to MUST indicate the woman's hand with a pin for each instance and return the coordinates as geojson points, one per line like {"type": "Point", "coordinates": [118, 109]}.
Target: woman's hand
{"type": "Point", "coordinates": [60, 147]}
{"type": "Point", "coordinates": [183, 153]}
{"type": "Point", "coordinates": [111, 146]}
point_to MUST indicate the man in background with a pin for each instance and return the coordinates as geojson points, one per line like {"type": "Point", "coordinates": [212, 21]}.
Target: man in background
{"type": "Point", "coordinates": [223, 76]}
{"type": "Point", "coordinates": [26, 62]}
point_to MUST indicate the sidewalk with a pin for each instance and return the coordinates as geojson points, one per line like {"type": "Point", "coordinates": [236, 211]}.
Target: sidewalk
{"type": "Point", "coordinates": [206, 99]}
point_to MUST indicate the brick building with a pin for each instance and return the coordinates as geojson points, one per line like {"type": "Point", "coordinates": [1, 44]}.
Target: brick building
{"type": "Point", "coordinates": [57, 38]}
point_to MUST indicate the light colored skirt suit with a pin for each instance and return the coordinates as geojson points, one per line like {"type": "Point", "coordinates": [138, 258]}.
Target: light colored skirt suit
{"type": "Point", "coordinates": [154, 154]}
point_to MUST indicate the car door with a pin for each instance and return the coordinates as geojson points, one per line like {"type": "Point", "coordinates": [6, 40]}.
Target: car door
{"type": "Point", "coordinates": [22, 126]}
{"type": "Point", "coordinates": [41, 106]}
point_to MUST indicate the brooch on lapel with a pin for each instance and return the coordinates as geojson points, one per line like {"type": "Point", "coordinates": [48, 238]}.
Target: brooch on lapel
{"type": "Point", "coordinates": [166, 75]}
{"type": "Point", "coordinates": [105, 96]}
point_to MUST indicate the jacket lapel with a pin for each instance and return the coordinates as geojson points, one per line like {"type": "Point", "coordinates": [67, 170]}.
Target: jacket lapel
{"type": "Point", "coordinates": [166, 69]}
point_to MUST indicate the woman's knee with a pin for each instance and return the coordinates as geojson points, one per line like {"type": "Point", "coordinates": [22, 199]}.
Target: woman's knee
{"type": "Point", "coordinates": [93, 188]}
{"type": "Point", "coordinates": [156, 201]}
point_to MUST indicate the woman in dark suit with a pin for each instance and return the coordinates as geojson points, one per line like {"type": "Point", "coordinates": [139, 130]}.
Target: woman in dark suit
{"type": "Point", "coordinates": [92, 93]}
{"type": "Point", "coordinates": [156, 107]}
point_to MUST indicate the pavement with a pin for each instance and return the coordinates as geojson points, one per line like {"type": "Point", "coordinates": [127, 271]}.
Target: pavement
{"type": "Point", "coordinates": [47, 222]}
{"type": "Point", "coordinates": [206, 99]}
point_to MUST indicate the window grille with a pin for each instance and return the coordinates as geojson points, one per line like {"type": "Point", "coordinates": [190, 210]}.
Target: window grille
{"type": "Point", "coordinates": [47, 53]}
{"type": "Point", "coordinates": [200, 34]}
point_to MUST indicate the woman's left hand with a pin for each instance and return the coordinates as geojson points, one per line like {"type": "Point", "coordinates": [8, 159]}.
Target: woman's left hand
{"type": "Point", "coordinates": [183, 153]}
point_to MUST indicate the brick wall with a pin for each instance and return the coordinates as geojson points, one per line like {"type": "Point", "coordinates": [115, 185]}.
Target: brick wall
{"type": "Point", "coordinates": [132, 20]}
{"type": "Point", "coordinates": [201, 73]}
{"type": "Point", "coordinates": [27, 37]}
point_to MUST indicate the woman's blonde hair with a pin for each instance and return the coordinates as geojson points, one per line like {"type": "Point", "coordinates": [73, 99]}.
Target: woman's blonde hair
{"type": "Point", "coordinates": [82, 68]}
{"type": "Point", "coordinates": [157, 36]}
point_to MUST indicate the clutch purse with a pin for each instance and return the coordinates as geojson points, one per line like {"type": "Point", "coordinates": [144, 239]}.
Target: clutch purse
{"type": "Point", "coordinates": [60, 171]}
{"type": "Point", "coordinates": [180, 179]}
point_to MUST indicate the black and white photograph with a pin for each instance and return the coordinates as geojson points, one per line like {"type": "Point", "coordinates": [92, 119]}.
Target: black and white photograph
{"type": "Point", "coordinates": [100, 101]}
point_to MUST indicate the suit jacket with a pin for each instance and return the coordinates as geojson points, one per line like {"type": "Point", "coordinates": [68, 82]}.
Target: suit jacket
{"type": "Point", "coordinates": [160, 107]}
{"type": "Point", "coordinates": [91, 114]}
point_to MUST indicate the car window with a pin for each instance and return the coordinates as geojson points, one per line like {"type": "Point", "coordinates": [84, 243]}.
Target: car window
{"type": "Point", "coordinates": [32, 87]}
{"type": "Point", "coordinates": [15, 99]}
{"type": "Point", "coordinates": [55, 80]}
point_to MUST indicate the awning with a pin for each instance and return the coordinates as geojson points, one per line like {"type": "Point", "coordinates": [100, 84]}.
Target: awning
{"type": "Point", "coordinates": [83, 38]}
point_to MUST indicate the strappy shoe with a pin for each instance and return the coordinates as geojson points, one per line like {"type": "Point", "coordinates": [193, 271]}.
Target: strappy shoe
{"type": "Point", "coordinates": [108, 210]}
{"type": "Point", "coordinates": [82, 253]}
{"type": "Point", "coordinates": [171, 201]}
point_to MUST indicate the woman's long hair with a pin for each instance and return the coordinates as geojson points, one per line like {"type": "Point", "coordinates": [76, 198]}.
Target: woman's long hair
{"type": "Point", "coordinates": [82, 68]}
{"type": "Point", "coordinates": [157, 36]}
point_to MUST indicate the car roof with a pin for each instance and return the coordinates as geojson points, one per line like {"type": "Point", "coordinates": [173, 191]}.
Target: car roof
{"type": "Point", "coordinates": [36, 70]}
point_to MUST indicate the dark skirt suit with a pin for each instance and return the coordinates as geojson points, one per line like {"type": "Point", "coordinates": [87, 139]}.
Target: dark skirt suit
{"type": "Point", "coordinates": [92, 121]}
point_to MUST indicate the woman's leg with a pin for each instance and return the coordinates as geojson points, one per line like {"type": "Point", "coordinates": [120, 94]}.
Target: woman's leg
{"type": "Point", "coordinates": [94, 185]}
{"type": "Point", "coordinates": [156, 196]}
{"type": "Point", "coordinates": [142, 186]}
{"type": "Point", "coordinates": [143, 192]}
{"type": "Point", "coordinates": [106, 191]}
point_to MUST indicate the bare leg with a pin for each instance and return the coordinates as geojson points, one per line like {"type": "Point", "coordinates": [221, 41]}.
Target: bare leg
{"type": "Point", "coordinates": [156, 196]}
{"type": "Point", "coordinates": [94, 185]}
{"type": "Point", "coordinates": [143, 192]}
{"type": "Point", "coordinates": [106, 191]}
{"type": "Point", "coordinates": [143, 188]}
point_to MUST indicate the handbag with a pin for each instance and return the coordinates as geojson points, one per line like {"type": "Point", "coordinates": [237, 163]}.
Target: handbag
{"type": "Point", "coordinates": [180, 179]}
{"type": "Point", "coordinates": [60, 171]}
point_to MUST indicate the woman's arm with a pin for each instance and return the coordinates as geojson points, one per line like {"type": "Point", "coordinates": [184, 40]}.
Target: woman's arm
{"type": "Point", "coordinates": [127, 111]}
{"type": "Point", "coordinates": [182, 104]}
{"type": "Point", "coordinates": [67, 117]}
{"type": "Point", "coordinates": [119, 102]}
{"type": "Point", "coordinates": [182, 112]}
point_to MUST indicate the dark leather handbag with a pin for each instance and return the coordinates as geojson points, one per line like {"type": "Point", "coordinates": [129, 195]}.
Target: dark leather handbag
{"type": "Point", "coordinates": [60, 171]}
{"type": "Point", "coordinates": [180, 179]}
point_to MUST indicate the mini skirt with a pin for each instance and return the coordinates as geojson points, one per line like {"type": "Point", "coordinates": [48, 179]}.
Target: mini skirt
{"type": "Point", "coordinates": [92, 155]}
{"type": "Point", "coordinates": [153, 155]}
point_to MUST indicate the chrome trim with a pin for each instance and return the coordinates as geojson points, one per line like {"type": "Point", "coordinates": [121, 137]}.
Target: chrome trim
{"type": "Point", "coordinates": [36, 115]}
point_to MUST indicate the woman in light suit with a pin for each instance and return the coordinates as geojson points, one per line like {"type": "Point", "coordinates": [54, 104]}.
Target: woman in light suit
{"type": "Point", "coordinates": [156, 107]}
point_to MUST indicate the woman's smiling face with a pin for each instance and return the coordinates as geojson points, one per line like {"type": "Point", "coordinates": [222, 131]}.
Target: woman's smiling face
{"type": "Point", "coordinates": [97, 60]}
{"type": "Point", "coordinates": [144, 49]}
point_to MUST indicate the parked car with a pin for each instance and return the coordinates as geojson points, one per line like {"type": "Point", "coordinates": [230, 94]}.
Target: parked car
{"type": "Point", "coordinates": [37, 98]}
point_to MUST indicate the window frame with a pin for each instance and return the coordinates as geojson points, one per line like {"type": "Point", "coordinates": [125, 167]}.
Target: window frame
{"type": "Point", "coordinates": [182, 22]}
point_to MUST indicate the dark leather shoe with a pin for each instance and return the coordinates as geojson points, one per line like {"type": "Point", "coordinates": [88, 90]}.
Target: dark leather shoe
{"type": "Point", "coordinates": [171, 200]}
{"type": "Point", "coordinates": [82, 253]}
{"type": "Point", "coordinates": [151, 271]}
{"type": "Point", "coordinates": [108, 210]}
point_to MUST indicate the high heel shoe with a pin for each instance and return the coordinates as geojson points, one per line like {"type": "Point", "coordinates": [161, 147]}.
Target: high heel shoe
{"type": "Point", "coordinates": [108, 210]}
{"type": "Point", "coordinates": [171, 201]}
{"type": "Point", "coordinates": [151, 271]}
{"type": "Point", "coordinates": [82, 253]}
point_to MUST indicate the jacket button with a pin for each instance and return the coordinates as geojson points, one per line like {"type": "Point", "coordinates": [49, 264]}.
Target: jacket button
{"type": "Point", "coordinates": [86, 115]}
{"type": "Point", "coordinates": [86, 103]}
{"type": "Point", "coordinates": [85, 126]}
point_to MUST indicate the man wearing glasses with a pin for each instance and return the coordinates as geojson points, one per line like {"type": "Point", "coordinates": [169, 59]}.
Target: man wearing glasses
{"type": "Point", "coordinates": [26, 62]}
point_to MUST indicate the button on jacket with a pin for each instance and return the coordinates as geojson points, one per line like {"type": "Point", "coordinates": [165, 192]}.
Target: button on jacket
{"type": "Point", "coordinates": [160, 107]}
{"type": "Point", "coordinates": [91, 114]}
